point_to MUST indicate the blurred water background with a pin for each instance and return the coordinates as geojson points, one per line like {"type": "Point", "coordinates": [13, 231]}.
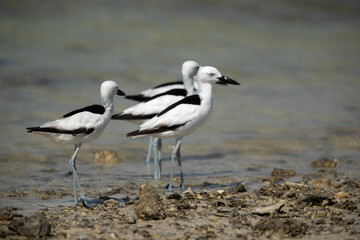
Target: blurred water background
{"type": "Point", "coordinates": [298, 63]}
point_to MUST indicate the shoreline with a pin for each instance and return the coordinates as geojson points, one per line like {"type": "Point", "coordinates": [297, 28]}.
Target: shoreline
{"type": "Point", "coordinates": [318, 206]}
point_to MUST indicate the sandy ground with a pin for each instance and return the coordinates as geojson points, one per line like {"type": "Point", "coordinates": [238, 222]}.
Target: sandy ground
{"type": "Point", "coordinates": [318, 206]}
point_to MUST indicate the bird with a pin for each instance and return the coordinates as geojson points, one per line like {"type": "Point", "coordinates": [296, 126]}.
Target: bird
{"type": "Point", "coordinates": [81, 126]}
{"type": "Point", "coordinates": [154, 104]}
{"type": "Point", "coordinates": [185, 116]}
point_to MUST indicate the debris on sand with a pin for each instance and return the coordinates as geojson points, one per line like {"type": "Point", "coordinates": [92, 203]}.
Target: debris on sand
{"type": "Point", "coordinates": [283, 173]}
{"type": "Point", "coordinates": [150, 206]}
{"type": "Point", "coordinates": [33, 226]}
{"type": "Point", "coordinates": [282, 227]}
{"type": "Point", "coordinates": [106, 157]}
{"type": "Point", "coordinates": [269, 210]}
{"type": "Point", "coordinates": [281, 210]}
{"type": "Point", "coordinates": [327, 163]}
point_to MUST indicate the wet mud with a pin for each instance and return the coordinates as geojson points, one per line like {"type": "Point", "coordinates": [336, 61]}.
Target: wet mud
{"type": "Point", "coordinates": [320, 206]}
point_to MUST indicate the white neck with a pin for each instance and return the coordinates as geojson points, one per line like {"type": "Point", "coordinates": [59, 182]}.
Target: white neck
{"type": "Point", "coordinates": [108, 103]}
{"type": "Point", "coordinates": [189, 85]}
{"type": "Point", "coordinates": [205, 92]}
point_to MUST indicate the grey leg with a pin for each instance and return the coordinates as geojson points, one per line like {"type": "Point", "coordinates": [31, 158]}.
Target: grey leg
{"type": "Point", "coordinates": [159, 158]}
{"type": "Point", "coordinates": [173, 156]}
{"type": "Point", "coordinates": [75, 157]}
{"type": "Point", "coordinates": [75, 177]}
{"type": "Point", "coordinates": [76, 181]}
{"type": "Point", "coordinates": [178, 156]}
{"type": "Point", "coordinates": [155, 144]}
{"type": "Point", "coordinates": [149, 150]}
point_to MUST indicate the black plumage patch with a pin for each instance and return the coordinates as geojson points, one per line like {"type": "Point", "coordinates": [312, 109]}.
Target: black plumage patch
{"type": "Point", "coordinates": [173, 92]}
{"type": "Point", "coordinates": [158, 129]}
{"type": "Point", "coordinates": [131, 117]}
{"type": "Point", "coordinates": [138, 98]}
{"type": "Point", "coordinates": [193, 99]}
{"type": "Point", "coordinates": [61, 131]}
{"type": "Point", "coordinates": [168, 84]}
{"type": "Point", "coordinates": [97, 109]}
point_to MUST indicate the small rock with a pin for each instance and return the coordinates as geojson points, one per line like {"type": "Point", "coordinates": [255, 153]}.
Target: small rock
{"type": "Point", "coordinates": [325, 163]}
{"type": "Point", "coordinates": [150, 206]}
{"type": "Point", "coordinates": [239, 188]}
{"type": "Point", "coordinates": [130, 218]}
{"type": "Point", "coordinates": [33, 226]}
{"type": "Point", "coordinates": [221, 192]}
{"type": "Point", "coordinates": [269, 210]}
{"type": "Point", "coordinates": [8, 214]}
{"type": "Point", "coordinates": [341, 195]}
{"type": "Point", "coordinates": [284, 173]}
{"type": "Point", "coordinates": [183, 205]}
{"type": "Point", "coordinates": [315, 199]}
{"type": "Point", "coordinates": [176, 196]}
{"type": "Point", "coordinates": [4, 232]}
{"type": "Point", "coordinates": [224, 210]}
{"type": "Point", "coordinates": [189, 193]}
{"type": "Point", "coordinates": [143, 233]}
{"type": "Point", "coordinates": [111, 203]}
{"type": "Point", "coordinates": [325, 182]}
{"type": "Point", "coordinates": [106, 157]}
{"type": "Point", "coordinates": [287, 227]}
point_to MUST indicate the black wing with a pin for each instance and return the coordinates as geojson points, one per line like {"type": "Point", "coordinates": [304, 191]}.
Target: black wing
{"type": "Point", "coordinates": [154, 130]}
{"type": "Point", "coordinates": [60, 131]}
{"type": "Point", "coordinates": [120, 116]}
{"type": "Point", "coordinates": [97, 109]}
{"type": "Point", "coordinates": [193, 99]}
{"type": "Point", "coordinates": [138, 98]}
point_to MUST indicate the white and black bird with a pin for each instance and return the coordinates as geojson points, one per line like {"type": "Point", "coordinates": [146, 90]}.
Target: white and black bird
{"type": "Point", "coordinates": [154, 104]}
{"type": "Point", "coordinates": [81, 126]}
{"type": "Point", "coordinates": [184, 116]}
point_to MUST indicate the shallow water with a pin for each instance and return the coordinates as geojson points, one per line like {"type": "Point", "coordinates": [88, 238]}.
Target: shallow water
{"type": "Point", "coordinates": [298, 64]}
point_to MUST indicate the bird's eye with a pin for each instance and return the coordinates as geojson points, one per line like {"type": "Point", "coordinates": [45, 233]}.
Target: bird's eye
{"type": "Point", "coordinates": [197, 67]}
{"type": "Point", "coordinates": [211, 74]}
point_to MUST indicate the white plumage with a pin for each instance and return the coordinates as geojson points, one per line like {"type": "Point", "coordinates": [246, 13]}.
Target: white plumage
{"type": "Point", "coordinates": [158, 99]}
{"type": "Point", "coordinates": [185, 116]}
{"type": "Point", "coordinates": [81, 126]}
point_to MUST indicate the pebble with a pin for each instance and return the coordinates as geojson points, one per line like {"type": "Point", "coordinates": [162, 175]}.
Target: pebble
{"type": "Point", "coordinates": [33, 226]}
{"type": "Point", "coordinates": [239, 188]}
{"type": "Point", "coordinates": [269, 210]}
{"type": "Point", "coordinates": [341, 195]}
{"type": "Point", "coordinates": [285, 173]}
{"type": "Point", "coordinates": [150, 206]}
{"type": "Point", "coordinates": [325, 163]}
{"type": "Point", "coordinates": [106, 157]}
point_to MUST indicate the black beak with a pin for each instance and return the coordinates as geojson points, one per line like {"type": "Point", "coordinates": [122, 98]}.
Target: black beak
{"type": "Point", "coordinates": [225, 80]}
{"type": "Point", "coordinates": [120, 93]}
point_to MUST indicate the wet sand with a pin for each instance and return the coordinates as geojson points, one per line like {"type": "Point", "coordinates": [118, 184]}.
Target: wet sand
{"type": "Point", "coordinates": [321, 205]}
{"type": "Point", "coordinates": [297, 61]}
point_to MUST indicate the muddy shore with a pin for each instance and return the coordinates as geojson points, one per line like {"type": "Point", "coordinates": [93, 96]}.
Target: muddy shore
{"type": "Point", "coordinates": [316, 206]}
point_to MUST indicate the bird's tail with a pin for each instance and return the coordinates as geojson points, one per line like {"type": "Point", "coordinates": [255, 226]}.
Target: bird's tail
{"type": "Point", "coordinates": [33, 129]}
{"type": "Point", "coordinates": [135, 134]}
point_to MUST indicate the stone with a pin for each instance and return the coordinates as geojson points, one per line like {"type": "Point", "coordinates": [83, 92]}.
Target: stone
{"type": "Point", "coordinates": [4, 232]}
{"type": "Point", "coordinates": [283, 227]}
{"type": "Point", "coordinates": [269, 210]}
{"type": "Point", "coordinates": [175, 196]}
{"type": "Point", "coordinates": [106, 157]}
{"type": "Point", "coordinates": [328, 163]}
{"type": "Point", "coordinates": [33, 226]}
{"type": "Point", "coordinates": [8, 214]}
{"type": "Point", "coordinates": [239, 188]}
{"type": "Point", "coordinates": [150, 206]}
{"type": "Point", "coordinates": [284, 173]}
{"type": "Point", "coordinates": [111, 203]}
